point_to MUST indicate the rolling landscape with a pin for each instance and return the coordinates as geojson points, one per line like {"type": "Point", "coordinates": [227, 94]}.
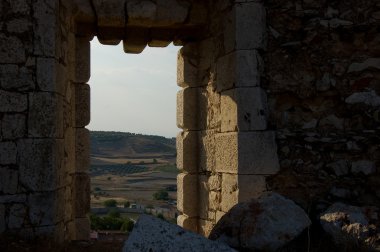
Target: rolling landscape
{"type": "Point", "coordinates": [130, 168]}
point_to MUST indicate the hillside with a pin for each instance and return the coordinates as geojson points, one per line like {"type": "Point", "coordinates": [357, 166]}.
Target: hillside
{"type": "Point", "coordinates": [124, 144]}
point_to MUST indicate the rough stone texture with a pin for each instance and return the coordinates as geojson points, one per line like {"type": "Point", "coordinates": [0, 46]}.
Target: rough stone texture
{"type": "Point", "coordinates": [267, 223]}
{"type": "Point", "coordinates": [187, 151]}
{"type": "Point", "coordinates": [13, 126]}
{"type": "Point", "coordinates": [8, 153]}
{"type": "Point", "coordinates": [12, 102]}
{"type": "Point", "coordinates": [147, 236]}
{"type": "Point", "coordinates": [82, 105]}
{"type": "Point", "coordinates": [42, 210]}
{"type": "Point", "coordinates": [8, 180]}
{"type": "Point", "coordinates": [187, 100]}
{"type": "Point", "coordinates": [187, 223]}
{"type": "Point", "coordinates": [352, 225]}
{"type": "Point", "coordinates": [241, 112]}
{"type": "Point", "coordinates": [187, 198]}
{"type": "Point", "coordinates": [2, 218]}
{"type": "Point", "coordinates": [247, 153]}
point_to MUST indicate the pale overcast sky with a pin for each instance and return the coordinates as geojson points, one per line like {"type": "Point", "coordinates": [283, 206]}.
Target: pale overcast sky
{"type": "Point", "coordinates": [133, 92]}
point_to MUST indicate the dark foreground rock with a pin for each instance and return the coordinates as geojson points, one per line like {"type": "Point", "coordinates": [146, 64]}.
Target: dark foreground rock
{"type": "Point", "coordinates": [151, 234]}
{"type": "Point", "coordinates": [352, 225]}
{"type": "Point", "coordinates": [267, 223]}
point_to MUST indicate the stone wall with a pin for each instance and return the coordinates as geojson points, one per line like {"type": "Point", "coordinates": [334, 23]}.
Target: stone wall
{"type": "Point", "coordinates": [276, 95]}
{"type": "Point", "coordinates": [322, 79]}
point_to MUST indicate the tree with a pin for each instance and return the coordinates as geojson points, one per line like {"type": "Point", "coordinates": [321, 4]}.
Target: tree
{"type": "Point", "coordinates": [127, 204]}
{"type": "Point", "coordinates": [110, 203]}
{"type": "Point", "coordinates": [127, 225]}
{"type": "Point", "coordinates": [161, 195]}
{"type": "Point", "coordinates": [161, 216]}
{"type": "Point", "coordinates": [114, 213]}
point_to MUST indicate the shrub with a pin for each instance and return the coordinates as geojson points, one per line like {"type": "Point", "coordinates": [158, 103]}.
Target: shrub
{"type": "Point", "coordinates": [161, 195]}
{"type": "Point", "coordinates": [110, 203]}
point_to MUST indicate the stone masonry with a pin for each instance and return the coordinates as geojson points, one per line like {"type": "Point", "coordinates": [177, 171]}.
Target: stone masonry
{"type": "Point", "coordinates": [276, 96]}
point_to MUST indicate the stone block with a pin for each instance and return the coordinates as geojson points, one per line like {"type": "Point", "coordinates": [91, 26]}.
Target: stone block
{"type": "Point", "coordinates": [8, 153]}
{"type": "Point", "coordinates": [187, 108]}
{"type": "Point", "coordinates": [70, 140]}
{"type": "Point", "coordinates": [252, 153]}
{"type": "Point", "coordinates": [110, 35]}
{"type": "Point", "coordinates": [187, 194]}
{"type": "Point", "coordinates": [82, 62]}
{"type": "Point", "coordinates": [42, 208]}
{"type": "Point", "coordinates": [207, 150]}
{"type": "Point", "coordinates": [82, 192]}
{"type": "Point", "coordinates": [187, 151]}
{"type": "Point", "coordinates": [47, 75]}
{"type": "Point", "coordinates": [171, 12]}
{"type": "Point", "coordinates": [244, 109]}
{"type": "Point", "coordinates": [110, 13]}
{"type": "Point", "coordinates": [230, 192]}
{"type": "Point", "coordinates": [245, 27]}
{"type": "Point", "coordinates": [82, 105]}
{"type": "Point", "coordinates": [16, 78]}
{"type": "Point", "coordinates": [219, 215]}
{"type": "Point", "coordinates": [215, 182]}
{"type": "Point", "coordinates": [44, 27]}
{"type": "Point", "coordinates": [83, 12]}
{"type": "Point", "coordinates": [13, 126]}
{"type": "Point", "coordinates": [20, 7]}
{"type": "Point", "coordinates": [79, 229]}
{"type": "Point", "coordinates": [242, 68]}
{"type": "Point", "coordinates": [214, 200]}
{"type": "Point", "coordinates": [39, 161]}
{"type": "Point", "coordinates": [82, 150]}
{"type": "Point", "coordinates": [203, 196]}
{"type": "Point", "coordinates": [205, 227]}
{"type": "Point", "coordinates": [45, 117]}
{"type": "Point", "coordinates": [2, 219]}
{"type": "Point", "coordinates": [13, 102]}
{"type": "Point", "coordinates": [135, 40]}
{"type": "Point", "coordinates": [184, 221]}
{"type": "Point", "coordinates": [251, 187]}
{"type": "Point", "coordinates": [14, 198]}
{"type": "Point", "coordinates": [141, 12]}
{"type": "Point", "coordinates": [12, 50]}
{"type": "Point", "coordinates": [17, 214]}
{"type": "Point", "coordinates": [8, 180]}
{"type": "Point", "coordinates": [187, 70]}
{"type": "Point", "coordinates": [19, 25]}
{"type": "Point", "coordinates": [209, 108]}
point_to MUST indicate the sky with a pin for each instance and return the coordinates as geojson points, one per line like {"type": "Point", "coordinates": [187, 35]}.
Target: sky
{"type": "Point", "coordinates": [133, 92]}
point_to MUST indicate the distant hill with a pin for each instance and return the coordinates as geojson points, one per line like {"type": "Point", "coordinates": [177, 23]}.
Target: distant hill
{"type": "Point", "coordinates": [110, 143]}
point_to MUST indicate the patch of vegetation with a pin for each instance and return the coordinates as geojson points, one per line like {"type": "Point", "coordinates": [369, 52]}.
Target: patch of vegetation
{"type": "Point", "coordinates": [127, 204]}
{"type": "Point", "coordinates": [110, 203]}
{"type": "Point", "coordinates": [161, 195]}
{"type": "Point", "coordinates": [167, 168]}
{"type": "Point", "coordinates": [118, 169]}
{"type": "Point", "coordinates": [111, 222]}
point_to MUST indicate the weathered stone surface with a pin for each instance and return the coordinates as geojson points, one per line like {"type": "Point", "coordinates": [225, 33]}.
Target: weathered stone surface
{"type": "Point", "coordinates": [17, 214]}
{"type": "Point", "coordinates": [141, 12]}
{"type": "Point", "coordinates": [187, 71]}
{"type": "Point", "coordinates": [11, 50]}
{"type": "Point", "coordinates": [14, 77]}
{"type": "Point", "coordinates": [82, 105]}
{"type": "Point", "coordinates": [365, 167]}
{"type": "Point", "coordinates": [348, 224]}
{"type": "Point", "coordinates": [242, 68]}
{"type": "Point", "coordinates": [147, 236]}
{"type": "Point", "coordinates": [247, 25]}
{"type": "Point", "coordinates": [2, 219]}
{"type": "Point", "coordinates": [187, 151]}
{"type": "Point", "coordinates": [12, 101]}
{"type": "Point", "coordinates": [47, 73]}
{"type": "Point", "coordinates": [339, 167]}
{"type": "Point", "coordinates": [187, 194]}
{"type": "Point", "coordinates": [8, 180]}
{"type": "Point", "coordinates": [44, 27]}
{"type": "Point", "coordinates": [8, 153]}
{"type": "Point", "coordinates": [82, 62]}
{"type": "Point", "coordinates": [266, 223]}
{"type": "Point", "coordinates": [82, 150]}
{"type": "Point", "coordinates": [207, 155]}
{"type": "Point", "coordinates": [187, 223]}
{"type": "Point", "coordinates": [110, 12]}
{"type": "Point", "coordinates": [368, 97]}
{"type": "Point", "coordinates": [368, 63]}
{"type": "Point", "coordinates": [41, 210]}
{"type": "Point", "coordinates": [45, 115]}
{"type": "Point", "coordinates": [20, 25]}
{"type": "Point", "coordinates": [39, 161]}
{"type": "Point", "coordinates": [83, 12]}
{"type": "Point", "coordinates": [14, 198]}
{"type": "Point", "coordinates": [79, 229]}
{"type": "Point", "coordinates": [170, 12]}
{"type": "Point", "coordinates": [244, 109]}
{"type": "Point", "coordinates": [187, 108]}
{"type": "Point", "coordinates": [247, 153]}
{"type": "Point", "coordinates": [13, 126]}
{"type": "Point", "coordinates": [81, 192]}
